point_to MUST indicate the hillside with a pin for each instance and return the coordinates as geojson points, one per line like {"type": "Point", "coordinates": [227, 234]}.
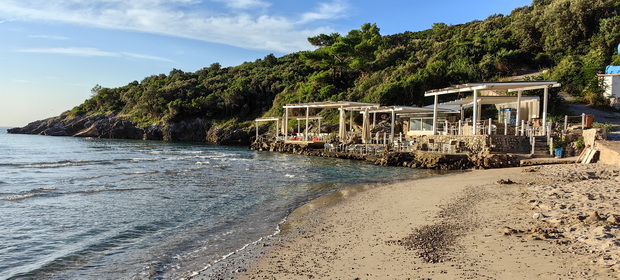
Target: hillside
{"type": "Point", "coordinates": [575, 39]}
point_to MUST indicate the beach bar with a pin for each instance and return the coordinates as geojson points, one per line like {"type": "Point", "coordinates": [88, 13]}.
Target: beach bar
{"type": "Point", "coordinates": [496, 93]}
{"type": "Point", "coordinates": [512, 123]}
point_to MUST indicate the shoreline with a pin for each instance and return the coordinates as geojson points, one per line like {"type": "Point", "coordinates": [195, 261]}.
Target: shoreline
{"type": "Point", "coordinates": [234, 264]}
{"type": "Point", "coordinates": [512, 229]}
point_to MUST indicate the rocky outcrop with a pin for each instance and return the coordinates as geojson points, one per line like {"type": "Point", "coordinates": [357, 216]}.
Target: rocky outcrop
{"type": "Point", "coordinates": [117, 127]}
{"type": "Point", "coordinates": [229, 136]}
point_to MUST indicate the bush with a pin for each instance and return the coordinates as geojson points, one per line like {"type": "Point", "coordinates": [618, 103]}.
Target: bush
{"type": "Point", "coordinates": [606, 126]}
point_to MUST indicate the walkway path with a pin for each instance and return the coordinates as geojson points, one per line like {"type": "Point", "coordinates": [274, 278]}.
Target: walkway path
{"type": "Point", "coordinates": [599, 116]}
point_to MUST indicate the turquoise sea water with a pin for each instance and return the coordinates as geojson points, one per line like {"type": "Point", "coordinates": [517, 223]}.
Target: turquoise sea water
{"type": "Point", "coordinates": [78, 208]}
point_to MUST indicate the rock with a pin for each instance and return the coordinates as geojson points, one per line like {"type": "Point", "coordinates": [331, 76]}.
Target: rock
{"type": "Point", "coordinates": [536, 237]}
{"type": "Point", "coordinates": [538, 216]}
{"type": "Point", "coordinates": [613, 219]}
{"type": "Point", "coordinates": [228, 136]}
{"type": "Point", "coordinates": [508, 230]}
{"type": "Point", "coordinates": [118, 127]}
{"type": "Point", "coordinates": [593, 217]}
{"type": "Point", "coordinates": [504, 182]}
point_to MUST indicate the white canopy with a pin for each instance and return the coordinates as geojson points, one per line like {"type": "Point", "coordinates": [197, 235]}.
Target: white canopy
{"type": "Point", "coordinates": [496, 87]}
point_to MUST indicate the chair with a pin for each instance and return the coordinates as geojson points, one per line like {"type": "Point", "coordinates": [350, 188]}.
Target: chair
{"type": "Point", "coordinates": [329, 147]}
{"type": "Point", "coordinates": [431, 144]}
{"type": "Point", "coordinates": [451, 147]}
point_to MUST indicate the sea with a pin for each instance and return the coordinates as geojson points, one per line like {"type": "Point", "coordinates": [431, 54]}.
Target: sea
{"type": "Point", "coordinates": [87, 208]}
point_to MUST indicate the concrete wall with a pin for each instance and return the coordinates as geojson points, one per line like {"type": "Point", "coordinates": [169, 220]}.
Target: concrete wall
{"type": "Point", "coordinates": [590, 135]}
{"type": "Point", "coordinates": [609, 152]}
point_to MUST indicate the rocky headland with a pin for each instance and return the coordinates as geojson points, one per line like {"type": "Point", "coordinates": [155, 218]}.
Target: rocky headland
{"type": "Point", "coordinates": [113, 126]}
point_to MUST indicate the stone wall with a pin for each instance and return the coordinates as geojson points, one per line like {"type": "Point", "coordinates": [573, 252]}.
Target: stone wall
{"type": "Point", "coordinates": [466, 143]}
{"type": "Point", "coordinates": [480, 143]}
{"type": "Point", "coordinates": [510, 144]}
{"type": "Point", "coordinates": [415, 159]}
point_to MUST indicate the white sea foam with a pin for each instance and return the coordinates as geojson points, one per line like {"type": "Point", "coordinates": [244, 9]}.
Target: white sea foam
{"type": "Point", "coordinates": [19, 197]}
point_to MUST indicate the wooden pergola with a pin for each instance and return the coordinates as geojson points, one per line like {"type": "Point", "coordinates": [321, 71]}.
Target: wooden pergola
{"type": "Point", "coordinates": [394, 111]}
{"type": "Point", "coordinates": [342, 106]}
{"type": "Point", "coordinates": [477, 88]}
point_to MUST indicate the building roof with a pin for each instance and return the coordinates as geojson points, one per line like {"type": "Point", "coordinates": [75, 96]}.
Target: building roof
{"type": "Point", "coordinates": [484, 100]}
{"type": "Point", "coordinates": [494, 86]}
{"type": "Point", "coordinates": [407, 110]}
{"type": "Point", "coordinates": [333, 105]}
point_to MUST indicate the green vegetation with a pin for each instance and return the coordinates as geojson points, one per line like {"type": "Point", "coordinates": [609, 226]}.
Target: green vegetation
{"type": "Point", "coordinates": [575, 39]}
{"type": "Point", "coordinates": [606, 126]}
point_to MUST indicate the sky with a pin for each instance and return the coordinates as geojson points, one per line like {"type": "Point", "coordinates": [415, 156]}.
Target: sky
{"type": "Point", "coordinates": [53, 52]}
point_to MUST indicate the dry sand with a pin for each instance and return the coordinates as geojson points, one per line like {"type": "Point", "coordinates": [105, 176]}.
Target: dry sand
{"type": "Point", "coordinates": [517, 223]}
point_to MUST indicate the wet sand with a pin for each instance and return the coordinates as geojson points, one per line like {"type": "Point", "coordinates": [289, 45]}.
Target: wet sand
{"type": "Point", "coordinates": [516, 223]}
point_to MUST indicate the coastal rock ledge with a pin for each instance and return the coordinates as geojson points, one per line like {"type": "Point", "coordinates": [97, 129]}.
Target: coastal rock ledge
{"type": "Point", "coordinates": [113, 126]}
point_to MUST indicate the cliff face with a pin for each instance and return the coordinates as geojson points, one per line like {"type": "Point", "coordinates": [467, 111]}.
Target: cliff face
{"type": "Point", "coordinates": [115, 127]}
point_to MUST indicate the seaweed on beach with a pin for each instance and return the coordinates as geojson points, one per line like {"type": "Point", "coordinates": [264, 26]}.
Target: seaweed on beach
{"type": "Point", "coordinates": [434, 242]}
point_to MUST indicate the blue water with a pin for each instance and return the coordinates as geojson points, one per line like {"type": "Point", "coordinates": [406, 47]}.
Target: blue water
{"type": "Point", "coordinates": [78, 208]}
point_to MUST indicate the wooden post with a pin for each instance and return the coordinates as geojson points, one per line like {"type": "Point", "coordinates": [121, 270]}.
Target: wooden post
{"type": "Point", "coordinates": [565, 123]}
{"type": "Point", "coordinates": [475, 117]}
{"type": "Point", "coordinates": [460, 127]}
{"type": "Point", "coordinates": [506, 126]}
{"type": "Point", "coordinates": [374, 119]}
{"type": "Point", "coordinates": [285, 123]}
{"type": "Point", "coordinates": [351, 122]}
{"type": "Point", "coordinates": [583, 121]}
{"type": "Point", "coordinates": [256, 132]}
{"type": "Point", "coordinates": [319, 131]}
{"type": "Point", "coordinates": [518, 117]}
{"type": "Point", "coordinates": [342, 126]}
{"type": "Point", "coordinates": [490, 123]}
{"type": "Point", "coordinates": [307, 121]}
{"type": "Point", "coordinates": [277, 129]}
{"type": "Point", "coordinates": [435, 115]}
{"type": "Point", "coordinates": [544, 117]}
{"type": "Point", "coordinates": [392, 128]}
{"type": "Point", "coordinates": [522, 127]}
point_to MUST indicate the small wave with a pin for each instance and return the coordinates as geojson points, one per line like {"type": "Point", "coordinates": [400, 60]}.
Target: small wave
{"type": "Point", "coordinates": [141, 172]}
{"type": "Point", "coordinates": [253, 243]}
{"type": "Point", "coordinates": [64, 163]}
{"type": "Point", "coordinates": [289, 175]}
{"type": "Point", "coordinates": [202, 162]}
{"type": "Point", "coordinates": [93, 191]}
{"type": "Point", "coordinates": [19, 197]}
{"type": "Point", "coordinates": [44, 189]}
{"type": "Point", "coordinates": [175, 152]}
{"type": "Point", "coordinates": [40, 192]}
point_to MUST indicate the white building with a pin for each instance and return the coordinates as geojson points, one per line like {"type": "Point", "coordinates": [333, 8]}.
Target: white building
{"type": "Point", "coordinates": [611, 80]}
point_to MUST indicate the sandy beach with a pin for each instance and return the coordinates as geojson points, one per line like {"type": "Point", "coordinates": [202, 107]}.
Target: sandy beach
{"type": "Point", "coordinates": [541, 222]}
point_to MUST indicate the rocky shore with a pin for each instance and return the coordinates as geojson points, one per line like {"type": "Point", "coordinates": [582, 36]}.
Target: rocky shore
{"type": "Point", "coordinates": [416, 159]}
{"type": "Point", "coordinates": [118, 127]}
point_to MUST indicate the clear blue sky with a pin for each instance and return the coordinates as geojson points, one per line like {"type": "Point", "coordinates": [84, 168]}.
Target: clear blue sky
{"type": "Point", "coordinates": [52, 52]}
